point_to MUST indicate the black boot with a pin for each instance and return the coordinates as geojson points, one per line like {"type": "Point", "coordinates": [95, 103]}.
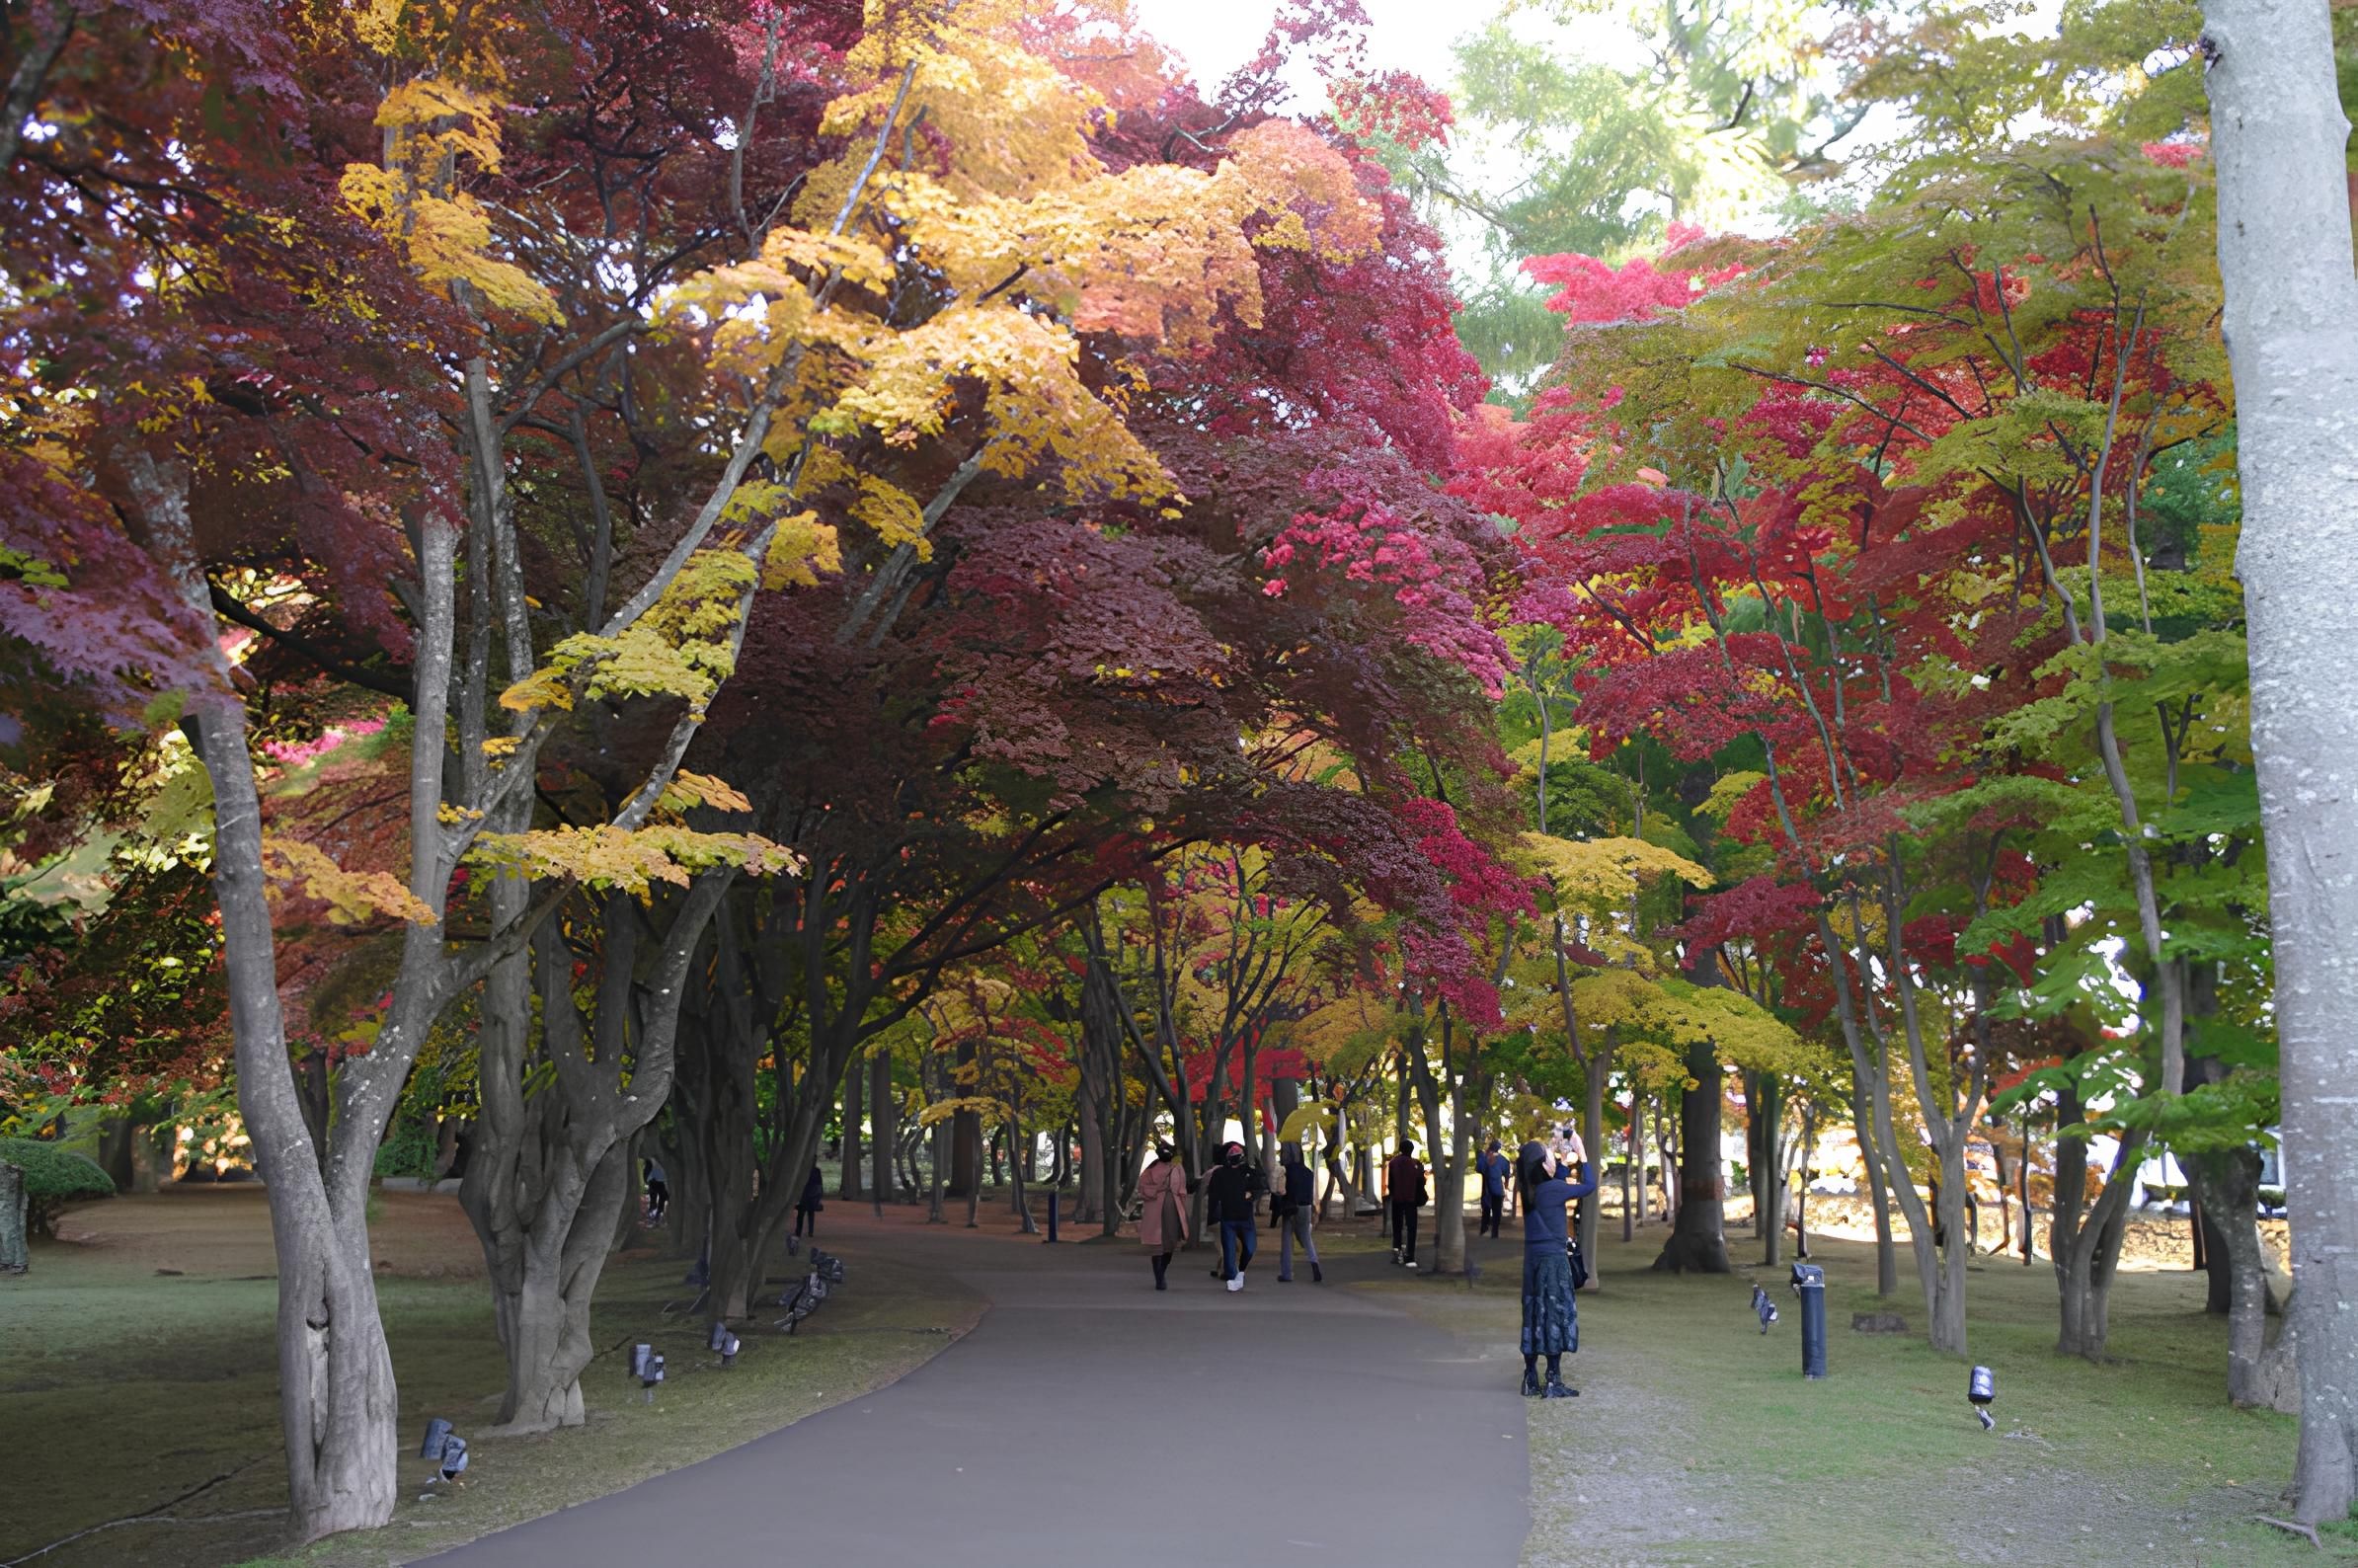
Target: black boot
{"type": "Point", "coordinates": [1317, 1275]}
{"type": "Point", "coordinates": [1555, 1389]}
{"type": "Point", "coordinates": [1530, 1377]}
{"type": "Point", "coordinates": [1162, 1264]}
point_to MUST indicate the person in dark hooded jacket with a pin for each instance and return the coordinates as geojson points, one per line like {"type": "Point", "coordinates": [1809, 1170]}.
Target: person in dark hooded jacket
{"type": "Point", "coordinates": [1229, 1195]}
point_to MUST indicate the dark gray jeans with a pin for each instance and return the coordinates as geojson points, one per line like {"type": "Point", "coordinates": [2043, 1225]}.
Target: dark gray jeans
{"type": "Point", "coordinates": [1296, 1224]}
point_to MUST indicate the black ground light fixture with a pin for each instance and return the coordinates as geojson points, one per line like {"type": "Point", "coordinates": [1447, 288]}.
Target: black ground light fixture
{"type": "Point", "coordinates": [1809, 1282]}
{"type": "Point", "coordinates": [1980, 1388]}
{"type": "Point", "coordinates": [724, 1342]}
{"type": "Point", "coordinates": [445, 1448]}
{"type": "Point", "coordinates": [1764, 1307]}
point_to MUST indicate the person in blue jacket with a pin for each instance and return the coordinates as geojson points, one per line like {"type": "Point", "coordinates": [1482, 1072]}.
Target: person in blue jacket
{"type": "Point", "coordinates": [1492, 1167]}
{"type": "Point", "coordinates": [1551, 1324]}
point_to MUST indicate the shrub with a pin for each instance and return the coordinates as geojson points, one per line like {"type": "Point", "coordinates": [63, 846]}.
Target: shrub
{"type": "Point", "coordinates": [54, 1176]}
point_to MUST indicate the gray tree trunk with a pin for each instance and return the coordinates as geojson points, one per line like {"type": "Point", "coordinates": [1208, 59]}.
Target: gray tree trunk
{"type": "Point", "coordinates": [2291, 316]}
{"type": "Point", "coordinates": [14, 1257]}
{"type": "Point", "coordinates": [854, 1083]}
{"type": "Point", "coordinates": [2227, 1187]}
{"type": "Point", "coordinates": [336, 1398]}
{"type": "Point", "coordinates": [1698, 1242]}
{"type": "Point", "coordinates": [886, 1114]}
{"type": "Point", "coordinates": [549, 1172]}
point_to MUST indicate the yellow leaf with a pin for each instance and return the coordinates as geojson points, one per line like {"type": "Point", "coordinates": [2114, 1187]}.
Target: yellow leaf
{"type": "Point", "coordinates": [350, 895]}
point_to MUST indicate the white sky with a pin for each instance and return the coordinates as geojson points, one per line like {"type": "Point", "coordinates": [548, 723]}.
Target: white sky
{"type": "Point", "coordinates": [1216, 35]}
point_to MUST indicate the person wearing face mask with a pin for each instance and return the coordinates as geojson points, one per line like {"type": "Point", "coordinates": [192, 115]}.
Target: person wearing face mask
{"type": "Point", "coordinates": [1290, 1210]}
{"type": "Point", "coordinates": [1230, 1192]}
{"type": "Point", "coordinates": [1551, 1324]}
{"type": "Point", "coordinates": [1162, 1210]}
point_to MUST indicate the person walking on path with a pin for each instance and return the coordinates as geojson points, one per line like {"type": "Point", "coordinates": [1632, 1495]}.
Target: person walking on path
{"type": "Point", "coordinates": [806, 1212]}
{"type": "Point", "coordinates": [1492, 1167]}
{"type": "Point", "coordinates": [1404, 1187]}
{"type": "Point", "coordinates": [1231, 1193]}
{"type": "Point", "coordinates": [1551, 1324]}
{"type": "Point", "coordinates": [659, 1191]}
{"type": "Point", "coordinates": [1163, 1212]}
{"type": "Point", "coordinates": [1290, 1207]}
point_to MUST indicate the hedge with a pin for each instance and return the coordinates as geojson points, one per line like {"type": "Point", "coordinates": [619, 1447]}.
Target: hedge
{"type": "Point", "coordinates": [53, 1177]}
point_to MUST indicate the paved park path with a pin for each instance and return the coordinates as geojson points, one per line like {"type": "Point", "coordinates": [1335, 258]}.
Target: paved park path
{"type": "Point", "coordinates": [1090, 1420]}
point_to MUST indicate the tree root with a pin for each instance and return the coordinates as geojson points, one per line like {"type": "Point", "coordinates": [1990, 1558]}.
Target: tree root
{"type": "Point", "coordinates": [2293, 1527]}
{"type": "Point", "coordinates": [158, 1516]}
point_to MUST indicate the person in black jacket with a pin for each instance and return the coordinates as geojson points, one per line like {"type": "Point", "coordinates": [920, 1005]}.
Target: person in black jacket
{"type": "Point", "coordinates": [1289, 1209]}
{"type": "Point", "coordinates": [1230, 1192]}
{"type": "Point", "coordinates": [1404, 1189]}
{"type": "Point", "coordinates": [806, 1212]}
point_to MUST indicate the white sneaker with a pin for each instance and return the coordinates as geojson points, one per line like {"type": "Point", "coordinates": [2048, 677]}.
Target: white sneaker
{"type": "Point", "coordinates": [1412, 1263]}
{"type": "Point", "coordinates": [1236, 1281]}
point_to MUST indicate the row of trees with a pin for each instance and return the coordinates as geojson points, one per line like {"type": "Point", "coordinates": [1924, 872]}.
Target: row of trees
{"type": "Point", "coordinates": [687, 578]}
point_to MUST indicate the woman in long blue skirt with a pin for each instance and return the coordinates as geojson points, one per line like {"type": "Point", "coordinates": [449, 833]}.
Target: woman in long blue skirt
{"type": "Point", "coordinates": [1550, 1322]}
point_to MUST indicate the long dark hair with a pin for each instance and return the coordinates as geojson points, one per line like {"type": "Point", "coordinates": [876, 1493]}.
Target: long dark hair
{"type": "Point", "coordinates": [1531, 1167]}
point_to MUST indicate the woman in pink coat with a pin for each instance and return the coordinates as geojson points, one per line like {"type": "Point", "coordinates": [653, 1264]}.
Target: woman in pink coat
{"type": "Point", "coordinates": [1162, 1210]}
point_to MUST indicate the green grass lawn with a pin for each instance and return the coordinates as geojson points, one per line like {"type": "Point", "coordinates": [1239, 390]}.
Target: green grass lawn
{"type": "Point", "coordinates": [123, 1388]}
{"type": "Point", "coordinates": [1697, 1440]}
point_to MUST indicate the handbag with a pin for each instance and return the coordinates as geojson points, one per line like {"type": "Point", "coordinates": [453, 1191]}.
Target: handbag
{"type": "Point", "coordinates": [1579, 1264]}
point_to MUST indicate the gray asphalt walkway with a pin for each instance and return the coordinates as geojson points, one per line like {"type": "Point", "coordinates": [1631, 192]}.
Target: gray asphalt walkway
{"type": "Point", "coordinates": [1089, 1420]}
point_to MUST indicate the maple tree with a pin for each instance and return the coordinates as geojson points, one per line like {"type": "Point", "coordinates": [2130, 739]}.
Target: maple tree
{"type": "Point", "coordinates": [1830, 564]}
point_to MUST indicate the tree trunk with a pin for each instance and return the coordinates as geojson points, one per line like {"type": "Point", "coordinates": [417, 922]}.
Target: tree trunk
{"type": "Point", "coordinates": [1592, 1138]}
{"type": "Point", "coordinates": [335, 1397]}
{"type": "Point", "coordinates": [549, 1170]}
{"type": "Point", "coordinates": [1093, 1105]}
{"type": "Point", "coordinates": [14, 1257]}
{"type": "Point", "coordinates": [1698, 1242]}
{"type": "Point", "coordinates": [938, 1166]}
{"type": "Point", "coordinates": [1944, 1294]}
{"type": "Point", "coordinates": [885, 1114]}
{"type": "Point", "coordinates": [1887, 1257]}
{"type": "Point", "coordinates": [1022, 1200]}
{"type": "Point", "coordinates": [966, 1139]}
{"type": "Point", "coordinates": [854, 1154]}
{"type": "Point", "coordinates": [2291, 316]}
{"type": "Point", "coordinates": [336, 1402]}
{"type": "Point", "coordinates": [1633, 1164]}
{"type": "Point", "coordinates": [1767, 1105]}
{"type": "Point", "coordinates": [1467, 1100]}
{"type": "Point", "coordinates": [2227, 1186]}
{"type": "Point", "coordinates": [2086, 1248]}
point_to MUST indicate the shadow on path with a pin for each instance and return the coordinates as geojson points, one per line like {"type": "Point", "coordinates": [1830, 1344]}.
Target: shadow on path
{"type": "Point", "coordinates": [1092, 1420]}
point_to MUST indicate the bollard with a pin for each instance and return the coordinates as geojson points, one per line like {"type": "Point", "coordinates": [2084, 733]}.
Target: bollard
{"type": "Point", "coordinates": [1809, 1279]}
{"type": "Point", "coordinates": [1052, 1217]}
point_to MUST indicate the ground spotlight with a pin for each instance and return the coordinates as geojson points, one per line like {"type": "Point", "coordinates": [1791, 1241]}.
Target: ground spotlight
{"type": "Point", "coordinates": [445, 1448]}
{"type": "Point", "coordinates": [651, 1372]}
{"type": "Point", "coordinates": [1766, 1309]}
{"type": "Point", "coordinates": [724, 1342]}
{"type": "Point", "coordinates": [1980, 1388]}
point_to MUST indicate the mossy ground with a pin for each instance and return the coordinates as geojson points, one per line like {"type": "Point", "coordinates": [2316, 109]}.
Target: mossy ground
{"type": "Point", "coordinates": [123, 1389]}
{"type": "Point", "coordinates": [1696, 1441]}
